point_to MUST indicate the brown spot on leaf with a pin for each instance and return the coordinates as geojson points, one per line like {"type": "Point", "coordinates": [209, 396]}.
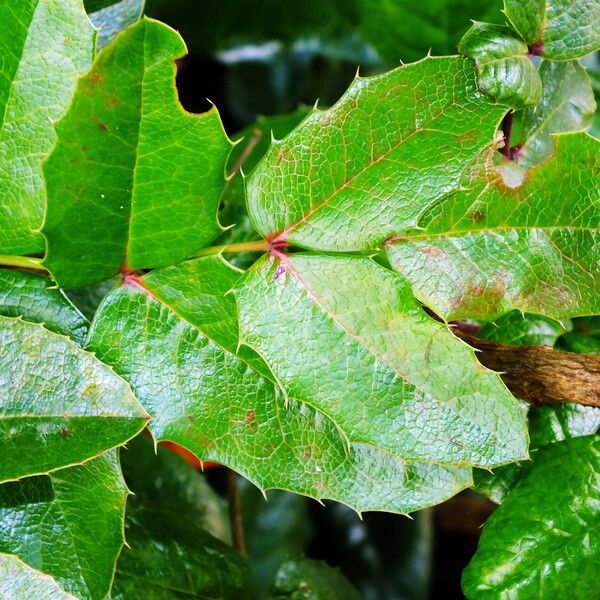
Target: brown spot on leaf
{"type": "Point", "coordinates": [434, 252]}
{"type": "Point", "coordinates": [477, 216]}
{"type": "Point", "coordinates": [65, 433]}
{"type": "Point", "coordinates": [102, 126]}
{"type": "Point", "coordinates": [250, 420]}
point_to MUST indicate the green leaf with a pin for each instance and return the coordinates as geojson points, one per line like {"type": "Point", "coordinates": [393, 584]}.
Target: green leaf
{"type": "Point", "coordinates": [567, 104]}
{"type": "Point", "coordinates": [163, 480]}
{"type": "Point", "coordinates": [134, 181]}
{"type": "Point", "coordinates": [50, 43]}
{"type": "Point", "coordinates": [18, 581]}
{"type": "Point", "coordinates": [402, 29]}
{"type": "Point", "coordinates": [68, 524]}
{"type": "Point", "coordinates": [170, 557]}
{"type": "Point", "coordinates": [350, 177]}
{"type": "Point", "coordinates": [61, 405]}
{"type": "Point", "coordinates": [305, 579]}
{"type": "Point", "coordinates": [179, 354]}
{"type": "Point", "coordinates": [562, 29]}
{"type": "Point", "coordinates": [518, 329]}
{"type": "Point", "coordinates": [252, 144]}
{"type": "Point", "coordinates": [112, 19]}
{"type": "Point", "coordinates": [506, 71]}
{"type": "Point", "coordinates": [37, 299]}
{"type": "Point", "coordinates": [491, 248]}
{"type": "Point", "coordinates": [585, 337]}
{"type": "Point", "coordinates": [551, 522]}
{"type": "Point", "coordinates": [275, 528]}
{"type": "Point", "coordinates": [346, 336]}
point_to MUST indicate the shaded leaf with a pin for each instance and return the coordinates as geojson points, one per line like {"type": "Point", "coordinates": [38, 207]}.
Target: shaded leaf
{"type": "Point", "coordinates": [305, 579]}
{"type": "Point", "coordinates": [349, 177]}
{"type": "Point", "coordinates": [179, 354]}
{"type": "Point", "coordinates": [110, 20]}
{"type": "Point", "coordinates": [519, 329]}
{"type": "Point", "coordinates": [491, 248]}
{"type": "Point", "coordinates": [68, 524]}
{"type": "Point", "coordinates": [346, 336]}
{"type": "Point", "coordinates": [50, 43]}
{"type": "Point", "coordinates": [405, 30]}
{"type": "Point", "coordinates": [562, 29]}
{"type": "Point", "coordinates": [163, 480]}
{"type": "Point", "coordinates": [134, 181]}
{"type": "Point", "coordinates": [18, 581]}
{"type": "Point", "coordinates": [88, 299]}
{"type": "Point", "coordinates": [170, 557]}
{"type": "Point", "coordinates": [551, 522]}
{"type": "Point", "coordinates": [506, 71]}
{"type": "Point", "coordinates": [567, 104]}
{"type": "Point", "coordinates": [275, 528]}
{"type": "Point", "coordinates": [37, 299]}
{"type": "Point", "coordinates": [61, 405]}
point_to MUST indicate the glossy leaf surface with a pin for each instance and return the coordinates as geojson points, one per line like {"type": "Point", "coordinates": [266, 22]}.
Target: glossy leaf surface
{"type": "Point", "coordinates": [306, 578]}
{"type": "Point", "coordinates": [567, 104]}
{"type": "Point", "coordinates": [349, 177]}
{"type": "Point", "coordinates": [61, 405]}
{"type": "Point", "coordinates": [346, 336]}
{"type": "Point", "coordinates": [551, 522]}
{"type": "Point", "coordinates": [68, 524]}
{"type": "Point", "coordinates": [491, 248]}
{"type": "Point", "coordinates": [169, 556]}
{"type": "Point", "coordinates": [179, 356]}
{"type": "Point", "coordinates": [112, 19]}
{"type": "Point", "coordinates": [506, 71]}
{"type": "Point", "coordinates": [562, 29]}
{"type": "Point", "coordinates": [17, 580]}
{"type": "Point", "coordinates": [36, 299]}
{"type": "Point", "coordinates": [43, 41]}
{"type": "Point", "coordinates": [134, 181]}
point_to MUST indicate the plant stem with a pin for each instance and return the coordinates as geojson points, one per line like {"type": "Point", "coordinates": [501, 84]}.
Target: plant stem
{"type": "Point", "coordinates": [235, 513]}
{"type": "Point", "coordinates": [24, 262]}
{"type": "Point", "coordinates": [254, 246]}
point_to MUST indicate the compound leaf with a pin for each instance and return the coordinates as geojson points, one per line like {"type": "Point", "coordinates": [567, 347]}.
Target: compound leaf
{"type": "Point", "coordinates": [506, 72]}
{"type": "Point", "coordinates": [37, 299]}
{"type": "Point", "coordinates": [491, 248]}
{"type": "Point", "coordinates": [68, 524]}
{"type": "Point", "coordinates": [179, 354]}
{"type": "Point", "coordinates": [551, 522]}
{"type": "Point", "coordinates": [559, 29]}
{"type": "Point", "coordinates": [61, 405]}
{"type": "Point", "coordinates": [134, 181]}
{"type": "Point", "coordinates": [346, 336]}
{"type": "Point", "coordinates": [349, 177]}
{"type": "Point", "coordinates": [18, 580]}
{"type": "Point", "coordinates": [45, 46]}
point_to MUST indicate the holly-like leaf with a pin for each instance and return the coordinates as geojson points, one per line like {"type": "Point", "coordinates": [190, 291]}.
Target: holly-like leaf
{"type": "Point", "coordinates": [44, 42]}
{"type": "Point", "coordinates": [37, 299]}
{"type": "Point", "coordinates": [491, 248]}
{"type": "Point", "coordinates": [306, 578]}
{"type": "Point", "coordinates": [68, 524]}
{"type": "Point", "coordinates": [567, 104]}
{"type": "Point", "coordinates": [173, 335]}
{"type": "Point", "coordinates": [551, 522]}
{"type": "Point", "coordinates": [557, 29]}
{"type": "Point", "coordinates": [349, 177]}
{"type": "Point", "coordinates": [346, 336]}
{"type": "Point", "coordinates": [112, 19]}
{"type": "Point", "coordinates": [134, 181]}
{"type": "Point", "coordinates": [60, 405]}
{"type": "Point", "coordinates": [413, 29]}
{"type": "Point", "coordinates": [169, 556]}
{"type": "Point", "coordinates": [506, 71]}
{"type": "Point", "coordinates": [163, 480]}
{"type": "Point", "coordinates": [17, 580]}
{"type": "Point", "coordinates": [518, 329]}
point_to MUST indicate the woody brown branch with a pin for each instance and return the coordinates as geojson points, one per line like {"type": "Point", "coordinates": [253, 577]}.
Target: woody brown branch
{"type": "Point", "coordinates": [540, 374]}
